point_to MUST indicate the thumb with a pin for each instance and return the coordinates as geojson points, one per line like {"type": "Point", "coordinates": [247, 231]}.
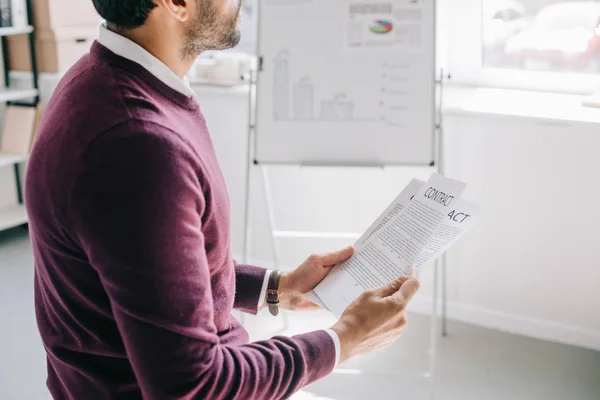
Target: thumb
{"type": "Point", "coordinates": [409, 288]}
{"type": "Point", "coordinates": [337, 257]}
{"type": "Point", "coordinates": [390, 288]}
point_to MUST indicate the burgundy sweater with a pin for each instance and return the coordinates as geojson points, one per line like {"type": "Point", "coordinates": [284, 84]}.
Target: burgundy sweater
{"type": "Point", "coordinates": [134, 280]}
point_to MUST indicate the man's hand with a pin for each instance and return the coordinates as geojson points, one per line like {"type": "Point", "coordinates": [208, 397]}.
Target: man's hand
{"type": "Point", "coordinates": [294, 285]}
{"type": "Point", "coordinates": [376, 319]}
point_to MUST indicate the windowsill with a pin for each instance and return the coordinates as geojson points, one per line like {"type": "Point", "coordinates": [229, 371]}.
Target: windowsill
{"type": "Point", "coordinates": [209, 87]}
{"type": "Point", "coordinates": [519, 103]}
{"type": "Point", "coordinates": [461, 100]}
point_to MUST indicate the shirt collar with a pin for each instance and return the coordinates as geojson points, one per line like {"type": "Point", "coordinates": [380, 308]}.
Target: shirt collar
{"type": "Point", "coordinates": [130, 50]}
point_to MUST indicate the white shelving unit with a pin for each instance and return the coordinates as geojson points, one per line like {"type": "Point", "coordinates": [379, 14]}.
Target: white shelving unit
{"type": "Point", "coordinates": [16, 31]}
{"type": "Point", "coordinates": [7, 94]}
{"type": "Point", "coordinates": [9, 159]}
{"type": "Point", "coordinates": [12, 216]}
{"type": "Point", "coordinates": [15, 215]}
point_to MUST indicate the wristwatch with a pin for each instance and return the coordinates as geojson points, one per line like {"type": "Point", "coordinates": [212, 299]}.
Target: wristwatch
{"type": "Point", "coordinates": [273, 292]}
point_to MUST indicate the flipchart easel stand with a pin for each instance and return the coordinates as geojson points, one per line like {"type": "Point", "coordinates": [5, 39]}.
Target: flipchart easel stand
{"type": "Point", "coordinates": [439, 266]}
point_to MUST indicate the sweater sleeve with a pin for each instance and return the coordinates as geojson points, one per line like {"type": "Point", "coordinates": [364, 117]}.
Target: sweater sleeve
{"type": "Point", "coordinates": [136, 209]}
{"type": "Point", "coordinates": [249, 287]}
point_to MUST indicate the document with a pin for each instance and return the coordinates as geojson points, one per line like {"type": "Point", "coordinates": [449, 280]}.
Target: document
{"type": "Point", "coordinates": [455, 225]}
{"type": "Point", "coordinates": [391, 211]}
{"type": "Point", "coordinates": [419, 225]}
{"type": "Point", "coordinates": [312, 296]}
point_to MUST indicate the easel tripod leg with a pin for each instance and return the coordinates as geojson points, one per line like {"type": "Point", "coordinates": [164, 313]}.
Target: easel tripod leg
{"type": "Point", "coordinates": [444, 298]}
{"type": "Point", "coordinates": [433, 333]}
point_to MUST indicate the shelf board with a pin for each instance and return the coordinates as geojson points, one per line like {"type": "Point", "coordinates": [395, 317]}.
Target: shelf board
{"type": "Point", "coordinates": [16, 31]}
{"type": "Point", "coordinates": [7, 94]}
{"type": "Point", "coordinates": [12, 216]}
{"type": "Point", "coordinates": [10, 159]}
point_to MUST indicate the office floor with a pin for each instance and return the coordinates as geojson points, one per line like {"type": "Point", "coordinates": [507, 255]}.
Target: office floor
{"type": "Point", "coordinates": [473, 363]}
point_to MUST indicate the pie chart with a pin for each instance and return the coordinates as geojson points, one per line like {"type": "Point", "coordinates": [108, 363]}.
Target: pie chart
{"type": "Point", "coordinates": [381, 27]}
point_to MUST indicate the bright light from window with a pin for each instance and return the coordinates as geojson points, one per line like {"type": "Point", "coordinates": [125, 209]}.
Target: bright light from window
{"type": "Point", "coordinates": [302, 395]}
{"type": "Point", "coordinates": [542, 35]}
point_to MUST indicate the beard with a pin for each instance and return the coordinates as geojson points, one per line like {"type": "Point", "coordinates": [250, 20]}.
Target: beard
{"type": "Point", "coordinates": [211, 30]}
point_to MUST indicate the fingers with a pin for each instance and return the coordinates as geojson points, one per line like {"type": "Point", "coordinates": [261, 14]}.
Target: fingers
{"type": "Point", "coordinates": [336, 257]}
{"type": "Point", "coordinates": [390, 288]}
{"type": "Point", "coordinates": [409, 288]}
{"type": "Point", "coordinates": [414, 273]}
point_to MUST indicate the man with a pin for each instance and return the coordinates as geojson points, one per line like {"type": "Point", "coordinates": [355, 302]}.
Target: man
{"type": "Point", "coordinates": [129, 220]}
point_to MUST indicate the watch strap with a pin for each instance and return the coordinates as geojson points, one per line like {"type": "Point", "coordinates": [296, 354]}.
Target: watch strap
{"type": "Point", "coordinates": [273, 292]}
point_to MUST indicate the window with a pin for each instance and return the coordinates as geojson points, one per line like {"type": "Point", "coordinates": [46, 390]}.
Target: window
{"type": "Point", "coordinates": [247, 26]}
{"type": "Point", "coordinates": [549, 36]}
{"type": "Point", "coordinates": [529, 44]}
{"type": "Point", "coordinates": [501, 20]}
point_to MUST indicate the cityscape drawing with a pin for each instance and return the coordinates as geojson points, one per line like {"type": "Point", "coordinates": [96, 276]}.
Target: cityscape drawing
{"type": "Point", "coordinates": [337, 109]}
{"type": "Point", "coordinates": [303, 97]}
{"type": "Point", "coordinates": [301, 100]}
{"type": "Point", "coordinates": [296, 102]}
{"type": "Point", "coordinates": [281, 87]}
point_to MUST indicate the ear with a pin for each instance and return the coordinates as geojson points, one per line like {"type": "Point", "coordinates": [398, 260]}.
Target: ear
{"type": "Point", "coordinates": [179, 9]}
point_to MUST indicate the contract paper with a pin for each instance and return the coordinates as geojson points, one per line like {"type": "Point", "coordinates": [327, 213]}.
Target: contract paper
{"type": "Point", "coordinates": [393, 209]}
{"type": "Point", "coordinates": [421, 223]}
{"type": "Point", "coordinates": [390, 212]}
{"type": "Point", "coordinates": [455, 225]}
{"type": "Point", "coordinates": [312, 296]}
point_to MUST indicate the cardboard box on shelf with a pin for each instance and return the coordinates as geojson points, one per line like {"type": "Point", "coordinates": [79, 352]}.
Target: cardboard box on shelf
{"type": "Point", "coordinates": [38, 117]}
{"type": "Point", "coordinates": [18, 129]}
{"type": "Point", "coordinates": [56, 14]}
{"type": "Point", "coordinates": [56, 50]}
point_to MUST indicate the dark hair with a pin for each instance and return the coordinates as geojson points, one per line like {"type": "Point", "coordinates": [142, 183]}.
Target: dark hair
{"type": "Point", "coordinates": [124, 14]}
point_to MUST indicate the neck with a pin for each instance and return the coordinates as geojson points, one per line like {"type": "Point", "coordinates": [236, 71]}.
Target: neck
{"type": "Point", "coordinates": [164, 47]}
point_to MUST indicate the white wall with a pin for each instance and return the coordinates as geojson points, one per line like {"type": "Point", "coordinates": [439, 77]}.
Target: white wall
{"type": "Point", "coordinates": [535, 256]}
{"type": "Point", "coordinates": [530, 267]}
